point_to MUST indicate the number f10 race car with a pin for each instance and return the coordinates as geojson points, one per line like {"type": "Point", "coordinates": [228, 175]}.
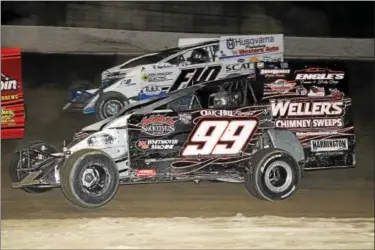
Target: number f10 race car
{"type": "Point", "coordinates": [223, 130]}
{"type": "Point", "coordinates": [155, 74]}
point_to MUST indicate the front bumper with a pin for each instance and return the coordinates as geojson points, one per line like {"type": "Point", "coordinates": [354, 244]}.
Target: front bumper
{"type": "Point", "coordinates": [45, 173]}
{"type": "Point", "coordinates": [78, 102]}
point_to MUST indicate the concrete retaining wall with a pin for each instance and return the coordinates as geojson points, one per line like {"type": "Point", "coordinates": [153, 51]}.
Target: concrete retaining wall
{"type": "Point", "coordinates": [128, 42]}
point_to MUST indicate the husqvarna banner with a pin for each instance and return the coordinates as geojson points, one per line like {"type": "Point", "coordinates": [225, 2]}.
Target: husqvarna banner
{"type": "Point", "coordinates": [256, 47]}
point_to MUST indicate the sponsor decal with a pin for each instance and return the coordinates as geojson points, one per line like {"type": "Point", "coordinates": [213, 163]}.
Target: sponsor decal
{"type": "Point", "coordinates": [163, 66]}
{"type": "Point", "coordinates": [260, 65]}
{"type": "Point", "coordinates": [257, 48]}
{"type": "Point", "coordinates": [329, 145]}
{"type": "Point", "coordinates": [157, 77]}
{"type": "Point", "coordinates": [274, 71]}
{"type": "Point", "coordinates": [185, 118]}
{"type": "Point", "coordinates": [197, 75]}
{"type": "Point", "coordinates": [212, 112]}
{"type": "Point", "coordinates": [219, 137]}
{"type": "Point", "coordinates": [315, 133]}
{"type": "Point", "coordinates": [334, 92]}
{"type": "Point", "coordinates": [266, 49]}
{"type": "Point", "coordinates": [152, 144]}
{"type": "Point", "coordinates": [157, 125]}
{"type": "Point", "coordinates": [260, 41]}
{"type": "Point", "coordinates": [319, 76]}
{"type": "Point", "coordinates": [9, 97]}
{"type": "Point", "coordinates": [310, 123]}
{"type": "Point", "coordinates": [301, 90]}
{"type": "Point", "coordinates": [273, 58]}
{"type": "Point", "coordinates": [7, 115]}
{"type": "Point", "coordinates": [289, 108]}
{"type": "Point", "coordinates": [239, 67]}
{"type": "Point", "coordinates": [149, 172]}
{"type": "Point", "coordinates": [152, 90]}
{"type": "Point", "coordinates": [253, 59]}
{"type": "Point", "coordinates": [316, 91]}
{"type": "Point", "coordinates": [8, 83]}
{"type": "Point", "coordinates": [100, 140]}
{"type": "Point", "coordinates": [281, 85]}
{"type": "Point", "coordinates": [127, 82]}
{"type": "Point", "coordinates": [295, 115]}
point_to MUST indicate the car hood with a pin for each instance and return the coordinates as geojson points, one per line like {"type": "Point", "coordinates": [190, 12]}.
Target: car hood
{"type": "Point", "coordinates": [116, 72]}
{"type": "Point", "coordinates": [96, 126]}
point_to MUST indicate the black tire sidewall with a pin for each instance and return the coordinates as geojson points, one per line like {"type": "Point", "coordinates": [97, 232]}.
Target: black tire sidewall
{"type": "Point", "coordinates": [72, 178]}
{"type": "Point", "coordinates": [104, 98]}
{"type": "Point", "coordinates": [259, 175]}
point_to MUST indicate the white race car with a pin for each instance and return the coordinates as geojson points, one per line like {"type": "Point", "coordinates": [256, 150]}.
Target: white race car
{"type": "Point", "coordinates": [156, 74]}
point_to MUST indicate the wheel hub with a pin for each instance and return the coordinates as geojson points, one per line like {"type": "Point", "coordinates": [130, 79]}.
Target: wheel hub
{"type": "Point", "coordinates": [278, 176]}
{"type": "Point", "coordinates": [94, 179]}
{"type": "Point", "coordinates": [89, 178]}
{"type": "Point", "coordinates": [112, 107]}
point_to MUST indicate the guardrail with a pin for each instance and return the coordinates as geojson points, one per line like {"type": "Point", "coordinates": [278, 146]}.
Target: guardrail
{"type": "Point", "coordinates": [70, 40]}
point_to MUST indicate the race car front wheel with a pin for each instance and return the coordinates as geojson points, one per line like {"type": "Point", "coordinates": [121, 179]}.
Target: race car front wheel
{"type": "Point", "coordinates": [109, 104]}
{"type": "Point", "coordinates": [273, 175]}
{"type": "Point", "coordinates": [89, 178]}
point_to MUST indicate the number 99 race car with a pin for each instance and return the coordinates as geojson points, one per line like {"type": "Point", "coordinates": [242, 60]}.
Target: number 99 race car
{"type": "Point", "coordinates": [212, 131]}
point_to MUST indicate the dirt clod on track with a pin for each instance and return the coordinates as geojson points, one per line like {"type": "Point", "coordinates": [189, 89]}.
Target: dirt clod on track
{"type": "Point", "coordinates": [149, 216]}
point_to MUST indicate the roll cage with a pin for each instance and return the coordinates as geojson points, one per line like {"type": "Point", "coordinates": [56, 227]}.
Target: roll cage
{"type": "Point", "coordinates": [197, 96]}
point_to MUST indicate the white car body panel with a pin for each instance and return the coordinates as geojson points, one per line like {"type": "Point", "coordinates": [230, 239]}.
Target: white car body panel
{"type": "Point", "coordinates": [117, 68]}
{"type": "Point", "coordinates": [117, 130]}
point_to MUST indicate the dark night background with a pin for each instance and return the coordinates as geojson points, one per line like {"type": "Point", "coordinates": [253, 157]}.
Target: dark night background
{"type": "Point", "coordinates": [325, 19]}
{"type": "Point", "coordinates": [331, 19]}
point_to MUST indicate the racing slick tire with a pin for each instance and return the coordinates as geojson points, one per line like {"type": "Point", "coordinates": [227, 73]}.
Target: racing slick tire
{"type": "Point", "coordinates": [16, 175]}
{"type": "Point", "coordinates": [89, 178]}
{"type": "Point", "coordinates": [273, 175]}
{"type": "Point", "coordinates": [109, 104]}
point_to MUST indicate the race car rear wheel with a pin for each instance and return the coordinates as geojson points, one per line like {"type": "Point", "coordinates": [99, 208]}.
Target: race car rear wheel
{"type": "Point", "coordinates": [15, 169]}
{"type": "Point", "coordinates": [273, 175]}
{"type": "Point", "coordinates": [89, 178]}
{"type": "Point", "coordinates": [109, 104]}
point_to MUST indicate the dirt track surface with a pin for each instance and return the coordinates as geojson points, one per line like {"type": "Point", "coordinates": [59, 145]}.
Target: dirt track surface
{"type": "Point", "coordinates": [338, 193]}
{"type": "Point", "coordinates": [236, 232]}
